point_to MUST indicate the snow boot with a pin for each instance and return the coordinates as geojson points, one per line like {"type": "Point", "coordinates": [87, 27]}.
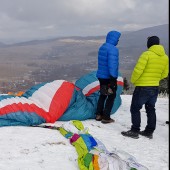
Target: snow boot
{"type": "Point", "coordinates": [98, 117]}
{"type": "Point", "coordinates": [108, 120]}
{"type": "Point", "coordinates": [131, 134]}
{"type": "Point", "coordinates": [146, 134]}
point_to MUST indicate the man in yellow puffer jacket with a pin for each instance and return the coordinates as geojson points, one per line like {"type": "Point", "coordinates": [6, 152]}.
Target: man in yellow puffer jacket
{"type": "Point", "coordinates": [152, 66]}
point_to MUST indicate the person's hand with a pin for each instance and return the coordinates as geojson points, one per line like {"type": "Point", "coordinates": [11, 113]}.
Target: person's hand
{"type": "Point", "coordinates": [110, 91]}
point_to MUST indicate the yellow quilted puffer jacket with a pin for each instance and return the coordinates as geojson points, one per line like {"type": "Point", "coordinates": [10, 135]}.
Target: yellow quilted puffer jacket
{"type": "Point", "coordinates": [152, 66]}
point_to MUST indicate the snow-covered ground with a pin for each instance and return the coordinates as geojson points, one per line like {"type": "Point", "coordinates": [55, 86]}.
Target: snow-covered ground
{"type": "Point", "coordinates": [34, 148]}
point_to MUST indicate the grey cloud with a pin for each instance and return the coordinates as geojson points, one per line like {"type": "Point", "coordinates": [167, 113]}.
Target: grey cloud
{"type": "Point", "coordinates": [25, 20]}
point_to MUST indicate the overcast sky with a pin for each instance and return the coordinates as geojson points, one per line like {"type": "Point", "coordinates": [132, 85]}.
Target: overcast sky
{"type": "Point", "coordinates": [22, 20]}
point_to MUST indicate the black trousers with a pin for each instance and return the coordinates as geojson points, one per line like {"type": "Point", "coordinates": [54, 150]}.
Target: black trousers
{"type": "Point", "coordinates": [105, 102]}
{"type": "Point", "coordinates": [144, 96]}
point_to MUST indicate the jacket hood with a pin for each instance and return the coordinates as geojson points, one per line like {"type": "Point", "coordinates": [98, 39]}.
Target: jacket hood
{"type": "Point", "coordinates": [113, 37]}
{"type": "Point", "coordinates": [158, 49]}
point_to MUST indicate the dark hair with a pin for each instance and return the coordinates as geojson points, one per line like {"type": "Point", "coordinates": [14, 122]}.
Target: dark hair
{"type": "Point", "coordinates": [153, 40]}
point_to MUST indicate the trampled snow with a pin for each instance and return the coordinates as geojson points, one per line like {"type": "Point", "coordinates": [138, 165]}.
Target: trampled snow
{"type": "Point", "coordinates": [35, 148]}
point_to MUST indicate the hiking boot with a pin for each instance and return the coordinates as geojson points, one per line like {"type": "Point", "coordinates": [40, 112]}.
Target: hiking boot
{"type": "Point", "coordinates": [98, 117]}
{"type": "Point", "coordinates": [167, 122]}
{"type": "Point", "coordinates": [146, 134]}
{"type": "Point", "coordinates": [108, 120]}
{"type": "Point", "coordinates": [131, 134]}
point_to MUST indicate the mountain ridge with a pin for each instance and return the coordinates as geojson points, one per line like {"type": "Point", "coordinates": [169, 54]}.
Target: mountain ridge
{"type": "Point", "coordinates": [70, 57]}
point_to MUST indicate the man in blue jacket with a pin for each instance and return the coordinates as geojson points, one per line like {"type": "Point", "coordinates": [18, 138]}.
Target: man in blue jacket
{"type": "Point", "coordinates": [107, 73]}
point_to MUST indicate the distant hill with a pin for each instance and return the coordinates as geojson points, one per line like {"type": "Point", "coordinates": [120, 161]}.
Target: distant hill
{"type": "Point", "coordinates": [161, 31]}
{"type": "Point", "coordinates": [132, 44]}
{"type": "Point", "coordinates": [71, 57]}
{"type": "Point", "coordinates": [2, 44]}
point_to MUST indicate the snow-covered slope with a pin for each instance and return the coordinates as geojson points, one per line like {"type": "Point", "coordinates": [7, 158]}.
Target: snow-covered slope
{"type": "Point", "coordinates": [33, 148]}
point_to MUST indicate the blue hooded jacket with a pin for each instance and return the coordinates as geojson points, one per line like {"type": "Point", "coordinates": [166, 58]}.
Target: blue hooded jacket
{"type": "Point", "coordinates": [108, 57]}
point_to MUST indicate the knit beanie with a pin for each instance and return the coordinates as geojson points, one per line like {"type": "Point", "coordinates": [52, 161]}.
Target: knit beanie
{"type": "Point", "coordinates": [154, 40]}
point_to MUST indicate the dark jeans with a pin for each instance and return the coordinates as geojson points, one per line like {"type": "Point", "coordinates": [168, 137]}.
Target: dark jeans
{"type": "Point", "coordinates": [144, 96]}
{"type": "Point", "coordinates": [105, 102]}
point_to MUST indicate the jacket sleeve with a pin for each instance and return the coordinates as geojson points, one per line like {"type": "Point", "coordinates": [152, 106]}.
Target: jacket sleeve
{"type": "Point", "coordinates": [166, 70]}
{"type": "Point", "coordinates": [139, 67]}
{"type": "Point", "coordinates": [113, 62]}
